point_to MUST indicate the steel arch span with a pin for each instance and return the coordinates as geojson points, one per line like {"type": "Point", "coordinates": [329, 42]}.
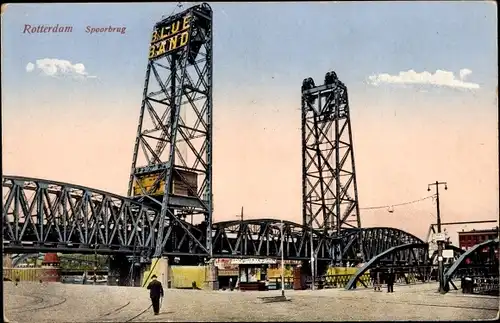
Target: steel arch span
{"type": "Point", "coordinates": [407, 258]}
{"type": "Point", "coordinates": [46, 216]}
{"type": "Point", "coordinates": [262, 237]}
{"type": "Point", "coordinates": [42, 216]}
{"type": "Point", "coordinates": [481, 260]}
{"type": "Point", "coordinates": [370, 242]}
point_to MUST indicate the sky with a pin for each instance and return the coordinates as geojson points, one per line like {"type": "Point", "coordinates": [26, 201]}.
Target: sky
{"type": "Point", "coordinates": [422, 81]}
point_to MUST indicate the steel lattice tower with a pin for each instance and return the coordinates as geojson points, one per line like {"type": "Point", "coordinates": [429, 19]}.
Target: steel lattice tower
{"type": "Point", "coordinates": [329, 196]}
{"type": "Point", "coordinates": [172, 160]}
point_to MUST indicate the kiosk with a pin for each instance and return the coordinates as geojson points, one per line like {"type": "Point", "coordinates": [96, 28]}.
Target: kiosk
{"type": "Point", "coordinates": [253, 273]}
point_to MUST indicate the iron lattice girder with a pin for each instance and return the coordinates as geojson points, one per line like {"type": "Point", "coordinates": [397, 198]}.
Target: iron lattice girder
{"type": "Point", "coordinates": [41, 215]}
{"type": "Point", "coordinates": [412, 255]}
{"type": "Point", "coordinates": [174, 135]}
{"type": "Point", "coordinates": [405, 257]}
{"type": "Point", "coordinates": [262, 237]}
{"type": "Point", "coordinates": [330, 199]}
{"type": "Point", "coordinates": [373, 241]}
{"type": "Point", "coordinates": [482, 263]}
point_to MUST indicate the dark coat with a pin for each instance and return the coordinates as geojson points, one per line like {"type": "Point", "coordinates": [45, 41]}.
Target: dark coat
{"type": "Point", "coordinates": [391, 277]}
{"type": "Point", "coordinates": [155, 289]}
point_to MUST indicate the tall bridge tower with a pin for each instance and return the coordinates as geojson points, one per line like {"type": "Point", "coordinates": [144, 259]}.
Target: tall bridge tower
{"type": "Point", "coordinates": [329, 189]}
{"type": "Point", "coordinates": [172, 160]}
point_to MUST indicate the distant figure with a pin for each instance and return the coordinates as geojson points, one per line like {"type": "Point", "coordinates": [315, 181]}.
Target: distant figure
{"type": "Point", "coordinates": [376, 279]}
{"type": "Point", "coordinates": [155, 293]}
{"type": "Point", "coordinates": [391, 277]}
{"type": "Point", "coordinates": [17, 280]}
{"type": "Point", "coordinates": [373, 277]}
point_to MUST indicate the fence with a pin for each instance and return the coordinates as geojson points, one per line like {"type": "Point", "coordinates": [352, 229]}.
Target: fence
{"type": "Point", "coordinates": [480, 285]}
{"type": "Point", "coordinates": [31, 274]}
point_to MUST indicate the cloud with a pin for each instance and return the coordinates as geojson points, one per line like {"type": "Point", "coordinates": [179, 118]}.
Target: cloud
{"type": "Point", "coordinates": [30, 67]}
{"type": "Point", "coordinates": [464, 72]}
{"type": "Point", "coordinates": [58, 68]}
{"type": "Point", "coordinates": [439, 78]}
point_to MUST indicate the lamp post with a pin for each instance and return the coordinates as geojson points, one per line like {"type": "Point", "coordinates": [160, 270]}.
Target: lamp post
{"type": "Point", "coordinates": [240, 216]}
{"type": "Point", "coordinates": [313, 272]}
{"type": "Point", "coordinates": [95, 260]}
{"type": "Point", "coordinates": [440, 241]}
{"type": "Point", "coordinates": [312, 261]}
{"type": "Point", "coordinates": [282, 260]}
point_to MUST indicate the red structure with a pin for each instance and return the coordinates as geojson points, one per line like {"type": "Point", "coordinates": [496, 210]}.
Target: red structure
{"type": "Point", "coordinates": [51, 265]}
{"type": "Point", "coordinates": [467, 239]}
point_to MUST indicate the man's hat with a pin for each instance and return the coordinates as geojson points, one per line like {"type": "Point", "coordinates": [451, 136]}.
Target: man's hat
{"type": "Point", "coordinates": [154, 276]}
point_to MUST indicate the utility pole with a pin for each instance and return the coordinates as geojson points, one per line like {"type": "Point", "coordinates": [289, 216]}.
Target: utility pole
{"type": "Point", "coordinates": [241, 214]}
{"type": "Point", "coordinates": [282, 257]}
{"type": "Point", "coordinates": [95, 260]}
{"type": "Point", "coordinates": [440, 241]}
{"type": "Point", "coordinates": [313, 272]}
{"type": "Point", "coordinates": [241, 229]}
{"type": "Point", "coordinates": [282, 262]}
{"type": "Point", "coordinates": [311, 241]}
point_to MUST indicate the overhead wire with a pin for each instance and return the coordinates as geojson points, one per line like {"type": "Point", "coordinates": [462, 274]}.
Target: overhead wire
{"type": "Point", "coordinates": [179, 6]}
{"type": "Point", "coordinates": [399, 204]}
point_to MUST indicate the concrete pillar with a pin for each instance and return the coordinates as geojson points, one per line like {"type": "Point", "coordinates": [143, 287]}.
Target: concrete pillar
{"type": "Point", "coordinates": [212, 277]}
{"type": "Point", "coordinates": [7, 261]}
{"type": "Point", "coordinates": [5, 319]}
{"type": "Point", "coordinates": [163, 272]}
{"type": "Point", "coordinates": [160, 268]}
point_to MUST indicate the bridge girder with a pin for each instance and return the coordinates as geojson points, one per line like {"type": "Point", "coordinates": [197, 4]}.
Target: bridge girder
{"type": "Point", "coordinates": [406, 257]}
{"type": "Point", "coordinates": [42, 215]}
{"type": "Point", "coordinates": [262, 238]}
{"type": "Point", "coordinates": [476, 262]}
{"type": "Point", "coordinates": [47, 216]}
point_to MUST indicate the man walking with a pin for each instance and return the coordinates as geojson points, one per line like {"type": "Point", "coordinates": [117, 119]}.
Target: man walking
{"type": "Point", "coordinates": [155, 293]}
{"type": "Point", "coordinates": [391, 277]}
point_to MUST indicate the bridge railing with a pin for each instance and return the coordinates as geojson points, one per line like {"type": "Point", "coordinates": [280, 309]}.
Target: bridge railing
{"type": "Point", "coordinates": [480, 285]}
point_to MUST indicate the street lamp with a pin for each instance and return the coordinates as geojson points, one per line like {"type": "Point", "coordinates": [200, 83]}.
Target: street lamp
{"type": "Point", "coordinates": [440, 241]}
{"type": "Point", "coordinates": [313, 271]}
{"type": "Point", "coordinates": [240, 216]}
{"type": "Point", "coordinates": [282, 260]}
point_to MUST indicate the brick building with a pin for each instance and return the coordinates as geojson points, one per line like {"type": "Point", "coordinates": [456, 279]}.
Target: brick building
{"type": "Point", "coordinates": [467, 239]}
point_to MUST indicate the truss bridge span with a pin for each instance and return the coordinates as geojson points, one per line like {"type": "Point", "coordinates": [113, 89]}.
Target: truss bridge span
{"type": "Point", "coordinates": [47, 216]}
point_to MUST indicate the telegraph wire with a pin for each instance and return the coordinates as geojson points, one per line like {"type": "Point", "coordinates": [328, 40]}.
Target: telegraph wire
{"type": "Point", "coordinates": [400, 204]}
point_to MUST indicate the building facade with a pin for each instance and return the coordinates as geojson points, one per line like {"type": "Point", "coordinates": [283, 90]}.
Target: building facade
{"type": "Point", "coordinates": [467, 239]}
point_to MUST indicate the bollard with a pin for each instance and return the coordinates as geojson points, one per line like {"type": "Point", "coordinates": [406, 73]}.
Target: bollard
{"type": "Point", "coordinates": [320, 284]}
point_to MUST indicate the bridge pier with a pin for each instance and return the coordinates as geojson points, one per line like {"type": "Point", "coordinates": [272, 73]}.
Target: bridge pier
{"type": "Point", "coordinates": [7, 261]}
{"type": "Point", "coordinates": [119, 271]}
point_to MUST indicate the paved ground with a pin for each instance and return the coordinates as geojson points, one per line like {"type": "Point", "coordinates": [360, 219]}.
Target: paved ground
{"type": "Point", "coordinates": [54, 302]}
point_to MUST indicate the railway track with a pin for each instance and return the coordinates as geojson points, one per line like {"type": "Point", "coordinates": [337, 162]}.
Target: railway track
{"type": "Point", "coordinates": [385, 301]}
{"type": "Point", "coordinates": [136, 316]}
{"type": "Point", "coordinates": [39, 300]}
{"type": "Point", "coordinates": [107, 317]}
{"type": "Point", "coordinates": [103, 316]}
